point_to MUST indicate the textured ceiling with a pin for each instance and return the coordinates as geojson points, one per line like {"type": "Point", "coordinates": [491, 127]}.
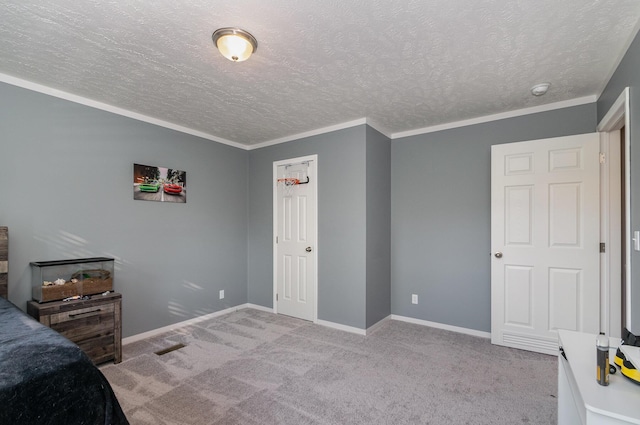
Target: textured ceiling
{"type": "Point", "coordinates": [403, 64]}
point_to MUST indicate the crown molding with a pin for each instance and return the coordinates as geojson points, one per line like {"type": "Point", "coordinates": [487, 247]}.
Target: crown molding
{"type": "Point", "coordinates": [380, 129]}
{"type": "Point", "coordinates": [495, 117]}
{"type": "Point", "coordinates": [310, 133]}
{"type": "Point", "coordinates": [29, 85]}
{"type": "Point", "coordinates": [623, 52]}
{"type": "Point", "coordinates": [323, 130]}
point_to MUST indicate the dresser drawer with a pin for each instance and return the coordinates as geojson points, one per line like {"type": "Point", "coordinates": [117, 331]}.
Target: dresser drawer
{"type": "Point", "coordinates": [86, 323]}
{"type": "Point", "coordinates": [94, 325]}
{"type": "Point", "coordinates": [99, 348]}
{"type": "Point", "coordinates": [81, 314]}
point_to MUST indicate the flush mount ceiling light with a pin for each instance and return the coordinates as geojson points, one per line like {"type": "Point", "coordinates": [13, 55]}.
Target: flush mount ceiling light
{"type": "Point", "coordinates": [540, 89]}
{"type": "Point", "coordinates": [234, 44]}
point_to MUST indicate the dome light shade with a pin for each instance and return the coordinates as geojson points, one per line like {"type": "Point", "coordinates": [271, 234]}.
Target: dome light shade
{"type": "Point", "coordinates": [234, 44]}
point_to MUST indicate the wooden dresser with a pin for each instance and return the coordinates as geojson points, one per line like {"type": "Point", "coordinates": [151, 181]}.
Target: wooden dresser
{"type": "Point", "coordinates": [94, 325]}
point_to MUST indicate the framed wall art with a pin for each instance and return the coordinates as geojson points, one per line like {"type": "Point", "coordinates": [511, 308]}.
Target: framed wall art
{"type": "Point", "coordinates": [152, 183]}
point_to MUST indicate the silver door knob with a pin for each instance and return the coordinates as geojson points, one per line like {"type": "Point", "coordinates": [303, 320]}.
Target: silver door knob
{"type": "Point", "coordinates": [498, 254]}
{"type": "Point", "coordinates": [308, 249]}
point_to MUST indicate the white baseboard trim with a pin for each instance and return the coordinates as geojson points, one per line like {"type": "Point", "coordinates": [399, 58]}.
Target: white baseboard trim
{"type": "Point", "coordinates": [333, 325]}
{"type": "Point", "coordinates": [437, 325]}
{"type": "Point", "coordinates": [158, 331]}
{"type": "Point", "coordinates": [371, 329]}
{"type": "Point", "coordinates": [340, 327]}
{"type": "Point", "coordinates": [257, 307]}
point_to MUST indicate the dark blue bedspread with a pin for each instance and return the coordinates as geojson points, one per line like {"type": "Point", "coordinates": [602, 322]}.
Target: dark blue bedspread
{"type": "Point", "coordinates": [47, 379]}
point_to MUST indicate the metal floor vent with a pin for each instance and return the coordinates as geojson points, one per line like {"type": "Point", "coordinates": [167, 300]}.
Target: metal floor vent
{"type": "Point", "coordinates": [170, 349]}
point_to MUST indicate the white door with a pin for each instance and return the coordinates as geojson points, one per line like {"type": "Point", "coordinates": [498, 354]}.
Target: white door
{"type": "Point", "coordinates": [295, 255]}
{"type": "Point", "coordinates": [544, 241]}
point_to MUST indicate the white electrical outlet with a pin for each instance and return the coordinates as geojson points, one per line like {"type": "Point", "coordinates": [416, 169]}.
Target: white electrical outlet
{"type": "Point", "coordinates": [414, 299]}
{"type": "Point", "coordinates": [221, 293]}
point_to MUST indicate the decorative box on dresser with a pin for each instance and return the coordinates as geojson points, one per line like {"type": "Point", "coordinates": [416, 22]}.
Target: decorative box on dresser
{"type": "Point", "coordinates": [94, 324]}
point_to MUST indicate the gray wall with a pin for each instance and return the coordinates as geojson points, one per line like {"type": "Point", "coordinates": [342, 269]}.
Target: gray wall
{"type": "Point", "coordinates": [378, 279]}
{"type": "Point", "coordinates": [341, 222]}
{"type": "Point", "coordinates": [70, 196]}
{"type": "Point", "coordinates": [440, 214]}
{"type": "Point", "coordinates": [628, 75]}
{"type": "Point", "coordinates": [67, 193]}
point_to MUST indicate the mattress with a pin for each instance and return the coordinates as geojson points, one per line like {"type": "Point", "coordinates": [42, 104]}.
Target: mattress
{"type": "Point", "coordinates": [47, 379]}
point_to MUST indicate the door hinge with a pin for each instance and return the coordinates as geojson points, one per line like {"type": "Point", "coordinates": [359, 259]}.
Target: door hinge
{"type": "Point", "coordinates": [603, 158]}
{"type": "Point", "coordinates": [602, 247]}
{"type": "Point", "coordinates": [276, 297]}
{"type": "Point", "coordinates": [276, 239]}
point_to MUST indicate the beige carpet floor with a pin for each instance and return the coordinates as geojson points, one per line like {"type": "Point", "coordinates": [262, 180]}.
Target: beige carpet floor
{"type": "Point", "coordinates": [252, 367]}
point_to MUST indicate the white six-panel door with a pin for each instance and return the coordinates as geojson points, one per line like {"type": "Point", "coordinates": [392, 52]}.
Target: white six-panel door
{"type": "Point", "coordinates": [295, 248]}
{"type": "Point", "coordinates": [545, 240]}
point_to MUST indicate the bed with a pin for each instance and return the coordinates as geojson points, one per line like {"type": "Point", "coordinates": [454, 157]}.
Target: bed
{"type": "Point", "coordinates": [47, 379]}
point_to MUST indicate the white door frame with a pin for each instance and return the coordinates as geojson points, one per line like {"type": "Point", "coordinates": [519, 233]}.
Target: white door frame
{"type": "Point", "coordinates": [314, 232]}
{"type": "Point", "coordinates": [614, 120]}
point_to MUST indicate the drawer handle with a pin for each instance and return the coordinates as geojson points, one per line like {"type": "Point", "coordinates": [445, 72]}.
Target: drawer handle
{"type": "Point", "coordinates": [86, 313]}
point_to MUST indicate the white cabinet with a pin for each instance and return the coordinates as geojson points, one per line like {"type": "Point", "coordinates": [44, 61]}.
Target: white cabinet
{"type": "Point", "coordinates": [581, 400]}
